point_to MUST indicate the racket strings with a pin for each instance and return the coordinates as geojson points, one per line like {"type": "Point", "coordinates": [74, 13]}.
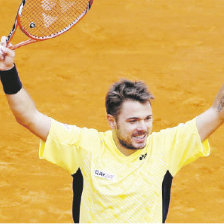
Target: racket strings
{"type": "Point", "coordinates": [47, 18]}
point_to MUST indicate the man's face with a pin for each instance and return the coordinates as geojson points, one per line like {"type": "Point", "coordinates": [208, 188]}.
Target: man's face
{"type": "Point", "coordinates": [134, 124]}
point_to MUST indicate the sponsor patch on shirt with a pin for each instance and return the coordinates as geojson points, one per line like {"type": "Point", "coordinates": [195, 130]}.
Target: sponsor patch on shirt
{"type": "Point", "coordinates": [104, 175]}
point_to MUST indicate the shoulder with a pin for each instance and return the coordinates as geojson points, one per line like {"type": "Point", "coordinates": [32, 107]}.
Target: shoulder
{"type": "Point", "coordinates": [72, 133]}
{"type": "Point", "coordinates": [182, 130]}
{"type": "Point", "coordinates": [180, 127]}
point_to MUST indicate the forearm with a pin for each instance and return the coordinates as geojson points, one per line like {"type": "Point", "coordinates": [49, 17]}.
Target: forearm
{"type": "Point", "coordinates": [24, 110]}
{"type": "Point", "coordinates": [218, 104]}
{"type": "Point", "coordinates": [19, 101]}
{"type": "Point", "coordinates": [26, 114]}
{"type": "Point", "coordinates": [212, 118]}
{"type": "Point", "coordinates": [208, 122]}
{"type": "Point", "coordinates": [22, 106]}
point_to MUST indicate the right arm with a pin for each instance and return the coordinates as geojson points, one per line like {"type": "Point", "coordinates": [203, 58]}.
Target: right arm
{"type": "Point", "coordinates": [26, 114]}
{"type": "Point", "coordinates": [20, 103]}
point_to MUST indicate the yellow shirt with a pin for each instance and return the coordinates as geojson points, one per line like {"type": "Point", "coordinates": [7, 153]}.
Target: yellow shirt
{"type": "Point", "coordinates": [119, 188]}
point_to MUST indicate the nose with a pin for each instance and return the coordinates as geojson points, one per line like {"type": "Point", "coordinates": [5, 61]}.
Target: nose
{"type": "Point", "coordinates": [142, 126]}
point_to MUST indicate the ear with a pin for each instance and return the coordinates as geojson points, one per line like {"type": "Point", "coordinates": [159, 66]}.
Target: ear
{"type": "Point", "coordinates": [111, 120]}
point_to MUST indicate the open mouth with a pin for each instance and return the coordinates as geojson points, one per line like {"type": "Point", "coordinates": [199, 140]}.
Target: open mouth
{"type": "Point", "coordinates": [139, 138]}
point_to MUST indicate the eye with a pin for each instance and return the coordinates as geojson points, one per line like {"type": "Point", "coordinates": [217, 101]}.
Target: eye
{"type": "Point", "coordinates": [149, 118]}
{"type": "Point", "coordinates": [132, 121]}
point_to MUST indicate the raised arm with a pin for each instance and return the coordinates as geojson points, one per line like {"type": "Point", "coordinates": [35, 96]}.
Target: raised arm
{"type": "Point", "coordinates": [20, 103]}
{"type": "Point", "coordinates": [211, 119]}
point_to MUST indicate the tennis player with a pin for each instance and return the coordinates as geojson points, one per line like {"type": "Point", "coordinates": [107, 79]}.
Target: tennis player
{"type": "Point", "coordinates": [128, 170]}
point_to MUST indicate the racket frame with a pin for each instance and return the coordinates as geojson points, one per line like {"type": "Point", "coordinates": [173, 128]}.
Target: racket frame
{"type": "Point", "coordinates": [34, 39]}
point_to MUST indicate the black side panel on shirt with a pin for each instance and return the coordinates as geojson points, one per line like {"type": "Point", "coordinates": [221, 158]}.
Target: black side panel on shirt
{"type": "Point", "coordinates": [166, 187]}
{"type": "Point", "coordinates": [77, 193]}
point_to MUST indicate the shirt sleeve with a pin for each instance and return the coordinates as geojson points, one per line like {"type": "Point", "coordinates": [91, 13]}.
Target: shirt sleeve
{"type": "Point", "coordinates": [67, 145]}
{"type": "Point", "coordinates": [184, 146]}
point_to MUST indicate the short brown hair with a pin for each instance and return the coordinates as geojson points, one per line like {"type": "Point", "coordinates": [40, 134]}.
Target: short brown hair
{"type": "Point", "coordinates": [126, 90]}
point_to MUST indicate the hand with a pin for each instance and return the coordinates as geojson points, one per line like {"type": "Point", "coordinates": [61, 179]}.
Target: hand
{"type": "Point", "coordinates": [6, 55]}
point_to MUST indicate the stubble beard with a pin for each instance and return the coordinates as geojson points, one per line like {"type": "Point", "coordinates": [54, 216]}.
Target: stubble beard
{"type": "Point", "coordinates": [128, 145]}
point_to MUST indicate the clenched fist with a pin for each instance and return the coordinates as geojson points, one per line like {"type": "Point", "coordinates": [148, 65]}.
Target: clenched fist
{"type": "Point", "coordinates": [6, 55]}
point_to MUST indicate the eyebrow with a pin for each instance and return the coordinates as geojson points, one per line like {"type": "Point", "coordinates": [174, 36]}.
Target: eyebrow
{"type": "Point", "coordinates": [136, 118]}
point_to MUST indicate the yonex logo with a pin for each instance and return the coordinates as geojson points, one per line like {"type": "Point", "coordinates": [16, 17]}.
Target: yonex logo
{"type": "Point", "coordinates": [104, 175]}
{"type": "Point", "coordinates": [143, 156]}
{"type": "Point", "coordinates": [32, 25]}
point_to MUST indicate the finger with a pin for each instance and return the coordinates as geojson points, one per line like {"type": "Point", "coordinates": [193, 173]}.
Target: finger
{"type": "Point", "coordinates": [3, 50]}
{"type": "Point", "coordinates": [4, 41]}
{"type": "Point", "coordinates": [1, 54]}
{"type": "Point", "coordinates": [7, 51]}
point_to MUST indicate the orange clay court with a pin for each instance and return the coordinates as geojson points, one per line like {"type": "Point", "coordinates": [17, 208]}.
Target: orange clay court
{"type": "Point", "coordinates": [176, 47]}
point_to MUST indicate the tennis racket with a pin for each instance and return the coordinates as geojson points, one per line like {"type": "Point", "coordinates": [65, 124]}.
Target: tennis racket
{"type": "Point", "coordinates": [45, 19]}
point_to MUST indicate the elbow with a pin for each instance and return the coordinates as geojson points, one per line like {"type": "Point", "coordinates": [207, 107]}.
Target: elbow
{"type": "Point", "coordinates": [26, 120]}
{"type": "Point", "coordinates": [22, 121]}
{"type": "Point", "coordinates": [217, 114]}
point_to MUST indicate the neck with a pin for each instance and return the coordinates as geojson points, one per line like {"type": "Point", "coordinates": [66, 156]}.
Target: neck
{"type": "Point", "coordinates": [121, 148]}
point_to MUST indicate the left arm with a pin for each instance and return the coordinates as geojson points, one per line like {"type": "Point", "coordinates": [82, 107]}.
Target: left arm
{"type": "Point", "coordinates": [212, 118]}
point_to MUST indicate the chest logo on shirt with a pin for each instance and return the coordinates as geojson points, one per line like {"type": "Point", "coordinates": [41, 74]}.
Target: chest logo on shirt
{"type": "Point", "coordinates": [104, 175]}
{"type": "Point", "coordinates": [143, 156]}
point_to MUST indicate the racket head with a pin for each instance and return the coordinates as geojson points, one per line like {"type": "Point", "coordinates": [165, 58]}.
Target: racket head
{"type": "Point", "coordinates": [45, 19]}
